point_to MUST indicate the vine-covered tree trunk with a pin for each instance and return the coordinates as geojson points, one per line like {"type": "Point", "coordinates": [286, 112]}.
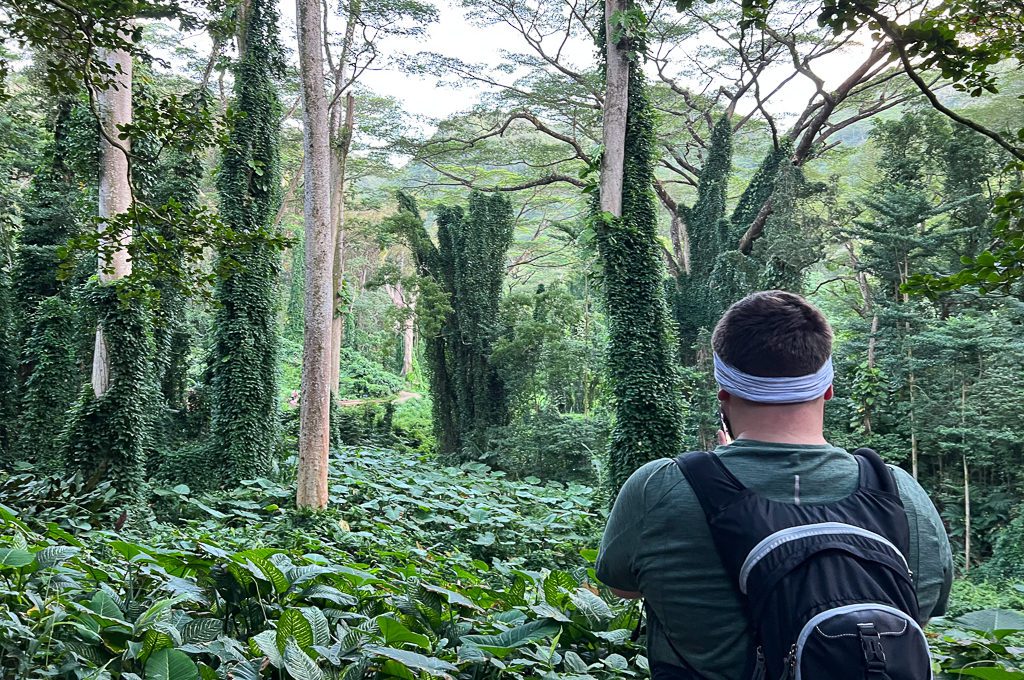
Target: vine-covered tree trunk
{"type": "Point", "coordinates": [457, 307]}
{"type": "Point", "coordinates": [8, 359]}
{"type": "Point", "coordinates": [641, 356]}
{"type": "Point", "coordinates": [315, 409]}
{"type": "Point", "coordinates": [115, 196]}
{"type": "Point", "coordinates": [110, 428]}
{"type": "Point", "coordinates": [243, 366]}
{"type": "Point", "coordinates": [696, 304]}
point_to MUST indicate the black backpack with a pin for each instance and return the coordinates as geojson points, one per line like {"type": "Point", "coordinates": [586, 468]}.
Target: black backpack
{"type": "Point", "coordinates": [827, 588]}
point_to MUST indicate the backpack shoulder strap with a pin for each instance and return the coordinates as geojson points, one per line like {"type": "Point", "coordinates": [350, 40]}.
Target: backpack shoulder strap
{"type": "Point", "coordinates": [874, 473]}
{"type": "Point", "coordinates": [712, 483]}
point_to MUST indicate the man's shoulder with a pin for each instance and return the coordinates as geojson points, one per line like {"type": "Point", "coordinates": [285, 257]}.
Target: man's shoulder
{"type": "Point", "coordinates": [910, 489]}
{"type": "Point", "coordinates": [649, 485]}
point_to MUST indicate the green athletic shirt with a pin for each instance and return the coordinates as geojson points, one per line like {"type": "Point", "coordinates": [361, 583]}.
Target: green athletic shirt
{"type": "Point", "coordinates": [657, 543]}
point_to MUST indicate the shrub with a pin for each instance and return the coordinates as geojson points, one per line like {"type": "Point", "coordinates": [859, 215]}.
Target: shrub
{"type": "Point", "coordinates": [364, 379]}
{"type": "Point", "coordinates": [551, 446]}
{"type": "Point", "coordinates": [1007, 562]}
{"type": "Point", "coordinates": [968, 596]}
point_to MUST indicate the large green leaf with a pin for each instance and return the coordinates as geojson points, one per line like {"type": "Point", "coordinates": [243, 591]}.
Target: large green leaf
{"type": "Point", "coordinates": [299, 665]}
{"type": "Point", "coordinates": [170, 664]}
{"type": "Point", "coordinates": [262, 568]}
{"type": "Point", "coordinates": [502, 643]}
{"type": "Point", "coordinates": [429, 664]}
{"type": "Point", "coordinates": [153, 641]}
{"type": "Point", "coordinates": [266, 643]}
{"type": "Point", "coordinates": [321, 627]}
{"type": "Point", "coordinates": [104, 605]}
{"type": "Point", "coordinates": [293, 625]}
{"type": "Point", "coordinates": [15, 557]}
{"type": "Point", "coordinates": [53, 555]}
{"type": "Point", "coordinates": [396, 634]}
{"type": "Point", "coordinates": [452, 596]}
{"type": "Point", "coordinates": [996, 622]}
{"type": "Point", "coordinates": [159, 611]}
{"type": "Point", "coordinates": [201, 630]}
{"type": "Point", "coordinates": [593, 607]}
{"type": "Point", "coordinates": [319, 591]}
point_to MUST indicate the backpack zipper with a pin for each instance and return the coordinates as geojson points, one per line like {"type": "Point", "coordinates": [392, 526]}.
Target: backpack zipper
{"type": "Point", "coordinates": [783, 536]}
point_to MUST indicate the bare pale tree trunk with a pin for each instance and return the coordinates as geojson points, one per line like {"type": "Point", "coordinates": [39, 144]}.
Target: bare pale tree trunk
{"type": "Point", "coordinates": [342, 143]}
{"type": "Point", "coordinates": [408, 343]}
{"type": "Point", "coordinates": [867, 310]}
{"type": "Point", "coordinates": [616, 99]}
{"type": "Point", "coordinates": [911, 381]}
{"type": "Point", "coordinates": [407, 327]}
{"type": "Point", "coordinates": [967, 477]}
{"type": "Point", "coordinates": [115, 196]}
{"type": "Point", "coordinates": [315, 405]}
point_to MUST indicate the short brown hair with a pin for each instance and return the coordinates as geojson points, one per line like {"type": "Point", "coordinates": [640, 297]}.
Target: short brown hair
{"type": "Point", "coordinates": [773, 334]}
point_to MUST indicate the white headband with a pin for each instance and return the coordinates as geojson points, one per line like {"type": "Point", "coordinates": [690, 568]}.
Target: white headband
{"type": "Point", "coordinates": [787, 390]}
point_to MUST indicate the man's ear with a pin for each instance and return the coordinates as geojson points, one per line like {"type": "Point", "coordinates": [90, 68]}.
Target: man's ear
{"type": "Point", "coordinates": [829, 393]}
{"type": "Point", "coordinates": [724, 396]}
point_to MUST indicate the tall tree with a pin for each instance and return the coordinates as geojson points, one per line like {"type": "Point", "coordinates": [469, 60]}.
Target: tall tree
{"type": "Point", "coordinates": [641, 364]}
{"type": "Point", "coordinates": [696, 304]}
{"type": "Point", "coordinates": [459, 290]}
{"type": "Point", "coordinates": [53, 211]}
{"type": "Point", "coordinates": [245, 344]}
{"type": "Point", "coordinates": [315, 409]}
{"type": "Point", "coordinates": [109, 429]}
{"type": "Point", "coordinates": [348, 56]}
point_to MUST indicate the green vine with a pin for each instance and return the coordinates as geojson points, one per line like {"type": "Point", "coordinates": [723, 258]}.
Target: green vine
{"type": "Point", "coordinates": [696, 305]}
{"type": "Point", "coordinates": [109, 437]}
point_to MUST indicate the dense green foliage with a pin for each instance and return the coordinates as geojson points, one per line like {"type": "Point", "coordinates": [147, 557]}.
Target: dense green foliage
{"type": "Point", "coordinates": [697, 305]}
{"type": "Point", "coordinates": [405, 581]}
{"type": "Point", "coordinates": [447, 572]}
{"type": "Point", "coordinates": [243, 361]}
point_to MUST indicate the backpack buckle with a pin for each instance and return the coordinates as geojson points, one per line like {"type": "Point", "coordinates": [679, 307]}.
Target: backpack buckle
{"type": "Point", "coordinates": [871, 646]}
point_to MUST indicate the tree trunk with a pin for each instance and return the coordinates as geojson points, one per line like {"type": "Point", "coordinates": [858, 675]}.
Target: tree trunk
{"type": "Point", "coordinates": [614, 114]}
{"type": "Point", "coordinates": [406, 326]}
{"type": "Point", "coordinates": [315, 406]}
{"type": "Point", "coordinates": [408, 343]}
{"type": "Point", "coordinates": [340, 146]}
{"type": "Point", "coordinates": [967, 478]}
{"type": "Point", "coordinates": [115, 196]}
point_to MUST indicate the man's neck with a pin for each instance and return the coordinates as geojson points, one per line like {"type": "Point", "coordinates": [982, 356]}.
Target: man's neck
{"type": "Point", "coordinates": [782, 423]}
{"type": "Point", "coordinates": [776, 436]}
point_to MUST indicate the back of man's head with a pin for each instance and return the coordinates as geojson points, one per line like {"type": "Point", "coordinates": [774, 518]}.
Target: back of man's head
{"type": "Point", "coordinates": [773, 334]}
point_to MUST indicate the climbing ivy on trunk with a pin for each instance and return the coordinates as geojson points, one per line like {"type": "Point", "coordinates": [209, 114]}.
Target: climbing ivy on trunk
{"type": "Point", "coordinates": [641, 352]}
{"type": "Point", "coordinates": [244, 359]}
{"type": "Point", "coordinates": [459, 294]}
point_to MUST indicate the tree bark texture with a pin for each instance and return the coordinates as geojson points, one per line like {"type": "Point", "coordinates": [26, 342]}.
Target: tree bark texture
{"type": "Point", "coordinates": [614, 113]}
{"type": "Point", "coordinates": [115, 196]}
{"type": "Point", "coordinates": [315, 405]}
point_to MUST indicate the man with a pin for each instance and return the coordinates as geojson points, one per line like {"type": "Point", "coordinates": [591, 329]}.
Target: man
{"type": "Point", "coordinates": [657, 544]}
